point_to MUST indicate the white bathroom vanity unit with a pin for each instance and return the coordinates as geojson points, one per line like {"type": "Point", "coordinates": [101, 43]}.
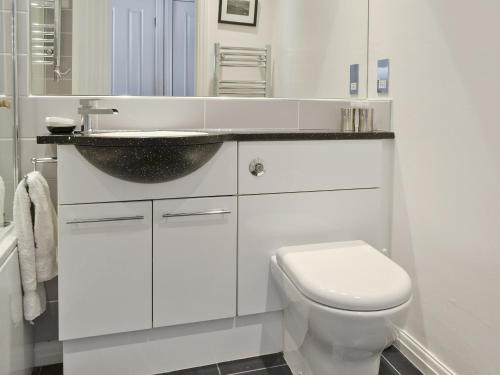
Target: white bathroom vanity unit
{"type": "Point", "coordinates": [157, 277]}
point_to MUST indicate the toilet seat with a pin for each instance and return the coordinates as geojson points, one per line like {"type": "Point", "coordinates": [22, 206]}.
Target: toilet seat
{"type": "Point", "coordinates": [346, 275]}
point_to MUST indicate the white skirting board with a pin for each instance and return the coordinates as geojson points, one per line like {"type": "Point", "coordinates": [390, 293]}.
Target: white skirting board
{"type": "Point", "coordinates": [421, 358]}
{"type": "Point", "coordinates": [48, 353]}
{"type": "Point", "coordinates": [174, 348]}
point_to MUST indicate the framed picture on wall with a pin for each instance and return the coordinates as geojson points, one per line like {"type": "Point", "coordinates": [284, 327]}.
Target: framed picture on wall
{"type": "Point", "coordinates": [238, 12]}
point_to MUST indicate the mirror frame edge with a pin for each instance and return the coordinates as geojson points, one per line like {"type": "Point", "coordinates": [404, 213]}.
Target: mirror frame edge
{"type": "Point", "coordinates": [199, 57]}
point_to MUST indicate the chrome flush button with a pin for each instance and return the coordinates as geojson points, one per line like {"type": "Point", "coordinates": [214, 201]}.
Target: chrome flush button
{"type": "Point", "coordinates": [257, 167]}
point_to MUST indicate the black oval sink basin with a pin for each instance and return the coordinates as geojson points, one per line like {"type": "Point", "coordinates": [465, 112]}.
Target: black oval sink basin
{"type": "Point", "coordinates": [149, 164]}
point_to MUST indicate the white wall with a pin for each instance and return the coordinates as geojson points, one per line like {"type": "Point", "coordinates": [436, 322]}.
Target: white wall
{"type": "Point", "coordinates": [316, 42]}
{"type": "Point", "coordinates": [445, 80]}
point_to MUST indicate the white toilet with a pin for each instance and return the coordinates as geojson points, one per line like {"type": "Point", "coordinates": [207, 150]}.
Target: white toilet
{"type": "Point", "coordinates": [343, 302]}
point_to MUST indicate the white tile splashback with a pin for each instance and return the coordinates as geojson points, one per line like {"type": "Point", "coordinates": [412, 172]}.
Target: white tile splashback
{"type": "Point", "coordinates": [325, 114]}
{"type": "Point", "coordinates": [320, 114]}
{"type": "Point", "coordinates": [251, 114]}
{"type": "Point", "coordinates": [34, 109]}
{"type": "Point", "coordinates": [197, 113]}
{"type": "Point", "coordinates": [153, 113]}
{"type": "Point", "coordinates": [383, 114]}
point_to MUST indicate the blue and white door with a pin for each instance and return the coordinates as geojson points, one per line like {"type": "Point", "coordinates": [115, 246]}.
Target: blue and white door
{"type": "Point", "coordinates": [134, 47]}
{"type": "Point", "coordinates": [153, 47]}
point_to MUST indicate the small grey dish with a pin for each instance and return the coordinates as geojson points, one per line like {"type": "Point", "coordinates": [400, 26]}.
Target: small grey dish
{"type": "Point", "coordinates": [68, 129]}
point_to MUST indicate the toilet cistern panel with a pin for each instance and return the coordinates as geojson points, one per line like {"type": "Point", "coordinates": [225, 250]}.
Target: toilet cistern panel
{"type": "Point", "coordinates": [310, 192]}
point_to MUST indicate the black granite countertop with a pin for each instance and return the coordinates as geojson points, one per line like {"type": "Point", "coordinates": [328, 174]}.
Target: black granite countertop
{"type": "Point", "coordinates": [210, 136]}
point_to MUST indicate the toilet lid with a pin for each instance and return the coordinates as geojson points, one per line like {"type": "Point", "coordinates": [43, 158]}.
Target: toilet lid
{"type": "Point", "coordinates": [346, 275]}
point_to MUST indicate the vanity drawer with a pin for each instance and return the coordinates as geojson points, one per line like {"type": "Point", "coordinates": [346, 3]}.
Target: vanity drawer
{"type": "Point", "coordinates": [105, 255]}
{"type": "Point", "coordinates": [194, 252]}
{"type": "Point", "coordinates": [310, 166]}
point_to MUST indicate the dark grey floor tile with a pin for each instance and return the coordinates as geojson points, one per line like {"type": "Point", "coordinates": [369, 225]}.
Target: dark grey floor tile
{"type": "Point", "coordinates": [254, 363]}
{"type": "Point", "coordinates": [386, 368]}
{"type": "Point", "coordinates": [392, 363]}
{"type": "Point", "coordinates": [400, 362]}
{"type": "Point", "coordinates": [279, 370]}
{"type": "Point", "coordinates": [204, 370]}
{"type": "Point", "coordinates": [52, 370]}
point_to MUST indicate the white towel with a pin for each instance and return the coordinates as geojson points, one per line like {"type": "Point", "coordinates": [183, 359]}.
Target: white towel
{"type": "Point", "coordinates": [37, 241]}
{"type": "Point", "coordinates": [2, 201]}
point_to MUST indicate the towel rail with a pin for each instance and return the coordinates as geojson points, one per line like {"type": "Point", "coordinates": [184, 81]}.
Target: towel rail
{"type": "Point", "coordinates": [47, 37]}
{"type": "Point", "coordinates": [36, 161]}
{"type": "Point", "coordinates": [243, 57]}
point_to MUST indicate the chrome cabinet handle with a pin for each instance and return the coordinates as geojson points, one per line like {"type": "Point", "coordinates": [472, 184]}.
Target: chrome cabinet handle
{"type": "Point", "coordinates": [105, 220]}
{"type": "Point", "coordinates": [201, 213]}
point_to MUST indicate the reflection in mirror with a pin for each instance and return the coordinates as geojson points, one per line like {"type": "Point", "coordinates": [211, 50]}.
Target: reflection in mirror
{"type": "Point", "coordinates": [8, 177]}
{"type": "Point", "coordinates": [269, 48]}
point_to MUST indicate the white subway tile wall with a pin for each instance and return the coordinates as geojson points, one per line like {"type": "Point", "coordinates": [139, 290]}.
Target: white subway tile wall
{"type": "Point", "coordinates": [153, 113]}
{"type": "Point", "coordinates": [251, 114]}
{"type": "Point", "coordinates": [320, 114]}
{"type": "Point", "coordinates": [6, 119]}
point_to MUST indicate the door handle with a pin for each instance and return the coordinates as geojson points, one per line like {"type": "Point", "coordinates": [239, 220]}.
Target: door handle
{"type": "Point", "coordinates": [105, 220]}
{"type": "Point", "coordinates": [200, 213]}
{"type": "Point", "coordinates": [5, 104]}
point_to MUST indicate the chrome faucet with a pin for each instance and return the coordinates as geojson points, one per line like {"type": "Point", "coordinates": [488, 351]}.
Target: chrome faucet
{"type": "Point", "coordinates": [88, 108]}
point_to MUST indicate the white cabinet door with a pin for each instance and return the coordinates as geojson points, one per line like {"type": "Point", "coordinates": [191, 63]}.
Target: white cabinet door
{"type": "Point", "coordinates": [194, 268]}
{"type": "Point", "coordinates": [105, 277]}
{"type": "Point", "coordinates": [268, 222]}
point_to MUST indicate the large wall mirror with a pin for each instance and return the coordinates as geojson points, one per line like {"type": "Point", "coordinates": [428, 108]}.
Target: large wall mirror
{"type": "Point", "coordinates": [248, 48]}
{"type": "Point", "coordinates": [8, 175]}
